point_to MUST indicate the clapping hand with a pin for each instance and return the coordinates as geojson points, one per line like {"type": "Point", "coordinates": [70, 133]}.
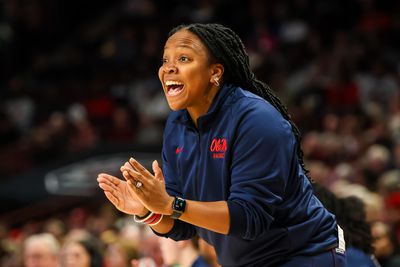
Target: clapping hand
{"type": "Point", "coordinates": [148, 188]}
{"type": "Point", "coordinates": [120, 194]}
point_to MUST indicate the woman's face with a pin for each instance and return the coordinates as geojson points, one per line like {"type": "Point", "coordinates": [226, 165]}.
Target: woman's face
{"type": "Point", "coordinates": [115, 256]}
{"type": "Point", "coordinates": [75, 255]}
{"type": "Point", "coordinates": [170, 250]}
{"type": "Point", "coordinates": [186, 74]}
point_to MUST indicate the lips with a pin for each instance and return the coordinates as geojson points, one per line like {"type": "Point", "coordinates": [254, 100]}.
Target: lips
{"type": "Point", "coordinates": [174, 87]}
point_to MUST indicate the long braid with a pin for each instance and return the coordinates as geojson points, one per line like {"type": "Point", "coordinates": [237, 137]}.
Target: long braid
{"type": "Point", "coordinates": [227, 48]}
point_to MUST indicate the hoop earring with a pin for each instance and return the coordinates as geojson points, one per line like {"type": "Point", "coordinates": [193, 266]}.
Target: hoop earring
{"type": "Point", "coordinates": [216, 81]}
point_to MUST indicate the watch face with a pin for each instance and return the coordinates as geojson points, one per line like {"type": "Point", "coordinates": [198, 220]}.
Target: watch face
{"type": "Point", "coordinates": [179, 204]}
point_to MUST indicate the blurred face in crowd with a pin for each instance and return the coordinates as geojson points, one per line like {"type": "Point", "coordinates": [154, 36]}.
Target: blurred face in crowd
{"type": "Point", "coordinates": [382, 244]}
{"type": "Point", "coordinates": [170, 251]}
{"type": "Point", "coordinates": [150, 248]}
{"type": "Point", "coordinates": [75, 255]}
{"type": "Point", "coordinates": [39, 255]}
{"type": "Point", "coordinates": [187, 76]}
{"type": "Point", "coordinates": [115, 256]}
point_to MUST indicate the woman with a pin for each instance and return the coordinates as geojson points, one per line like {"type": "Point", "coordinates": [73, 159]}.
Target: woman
{"type": "Point", "coordinates": [184, 253]}
{"type": "Point", "coordinates": [81, 253]}
{"type": "Point", "coordinates": [232, 163]}
{"type": "Point", "coordinates": [350, 213]}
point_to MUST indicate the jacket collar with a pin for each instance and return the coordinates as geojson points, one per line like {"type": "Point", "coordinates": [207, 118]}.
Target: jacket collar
{"type": "Point", "coordinates": [218, 101]}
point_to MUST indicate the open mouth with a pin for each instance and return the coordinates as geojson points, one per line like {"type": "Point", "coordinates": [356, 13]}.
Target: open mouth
{"type": "Point", "coordinates": [173, 88]}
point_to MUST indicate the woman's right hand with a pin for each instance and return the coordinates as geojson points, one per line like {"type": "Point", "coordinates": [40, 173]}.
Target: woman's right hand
{"type": "Point", "coordinates": [120, 194]}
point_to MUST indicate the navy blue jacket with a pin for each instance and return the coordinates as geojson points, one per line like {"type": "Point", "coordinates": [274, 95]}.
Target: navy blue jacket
{"type": "Point", "coordinates": [244, 152]}
{"type": "Point", "coordinates": [200, 262]}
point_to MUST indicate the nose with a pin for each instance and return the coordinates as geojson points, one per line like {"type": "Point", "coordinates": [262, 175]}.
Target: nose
{"type": "Point", "coordinates": [170, 68]}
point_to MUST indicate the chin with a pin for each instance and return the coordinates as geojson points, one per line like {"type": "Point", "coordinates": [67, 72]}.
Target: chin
{"type": "Point", "coordinates": [175, 106]}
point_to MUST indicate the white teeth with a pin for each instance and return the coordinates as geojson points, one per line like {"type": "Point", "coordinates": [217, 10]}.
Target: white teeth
{"type": "Point", "coordinates": [174, 87]}
{"type": "Point", "coordinates": [168, 83]}
{"type": "Point", "coordinates": [174, 92]}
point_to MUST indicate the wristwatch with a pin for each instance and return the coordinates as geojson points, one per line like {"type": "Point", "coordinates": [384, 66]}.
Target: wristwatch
{"type": "Point", "coordinates": [178, 207]}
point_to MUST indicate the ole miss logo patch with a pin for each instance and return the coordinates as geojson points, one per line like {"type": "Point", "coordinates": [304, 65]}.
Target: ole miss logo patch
{"type": "Point", "coordinates": [178, 150]}
{"type": "Point", "coordinates": [218, 148]}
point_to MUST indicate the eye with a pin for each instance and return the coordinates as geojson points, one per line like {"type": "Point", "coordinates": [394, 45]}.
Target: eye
{"type": "Point", "coordinates": [183, 59]}
{"type": "Point", "coordinates": [164, 60]}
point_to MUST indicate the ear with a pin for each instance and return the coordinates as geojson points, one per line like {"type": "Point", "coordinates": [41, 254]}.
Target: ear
{"type": "Point", "coordinates": [217, 70]}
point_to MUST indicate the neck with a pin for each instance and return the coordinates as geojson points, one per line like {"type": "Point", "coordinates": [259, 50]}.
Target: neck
{"type": "Point", "coordinates": [196, 112]}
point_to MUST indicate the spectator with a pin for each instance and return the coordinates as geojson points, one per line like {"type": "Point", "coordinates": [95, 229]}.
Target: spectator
{"type": "Point", "coordinates": [41, 250]}
{"type": "Point", "coordinates": [351, 216]}
{"type": "Point", "coordinates": [183, 253]}
{"type": "Point", "coordinates": [119, 254]}
{"type": "Point", "coordinates": [81, 253]}
{"type": "Point", "coordinates": [385, 244]}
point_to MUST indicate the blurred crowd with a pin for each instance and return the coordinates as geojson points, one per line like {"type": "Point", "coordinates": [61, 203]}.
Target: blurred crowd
{"type": "Point", "coordinates": [68, 87]}
{"type": "Point", "coordinates": [97, 237]}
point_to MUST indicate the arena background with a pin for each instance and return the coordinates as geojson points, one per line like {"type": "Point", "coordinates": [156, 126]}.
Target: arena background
{"type": "Point", "coordinates": [80, 94]}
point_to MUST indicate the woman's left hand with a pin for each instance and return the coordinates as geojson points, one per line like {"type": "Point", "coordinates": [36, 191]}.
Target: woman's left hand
{"type": "Point", "coordinates": [149, 188]}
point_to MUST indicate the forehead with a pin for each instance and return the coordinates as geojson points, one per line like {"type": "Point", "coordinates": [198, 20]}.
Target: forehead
{"type": "Point", "coordinates": [36, 248]}
{"type": "Point", "coordinates": [185, 39]}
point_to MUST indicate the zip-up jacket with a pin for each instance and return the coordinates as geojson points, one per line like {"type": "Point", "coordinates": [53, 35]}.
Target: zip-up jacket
{"type": "Point", "coordinates": [244, 152]}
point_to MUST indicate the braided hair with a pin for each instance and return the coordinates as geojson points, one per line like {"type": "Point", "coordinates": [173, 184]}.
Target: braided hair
{"type": "Point", "coordinates": [350, 215]}
{"type": "Point", "coordinates": [227, 48]}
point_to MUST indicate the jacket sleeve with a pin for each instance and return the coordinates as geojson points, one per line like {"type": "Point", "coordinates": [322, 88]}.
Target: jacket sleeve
{"type": "Point", "coordinates": [181, 230]}
{"type": "Point", "coordinates": [262, 159]}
